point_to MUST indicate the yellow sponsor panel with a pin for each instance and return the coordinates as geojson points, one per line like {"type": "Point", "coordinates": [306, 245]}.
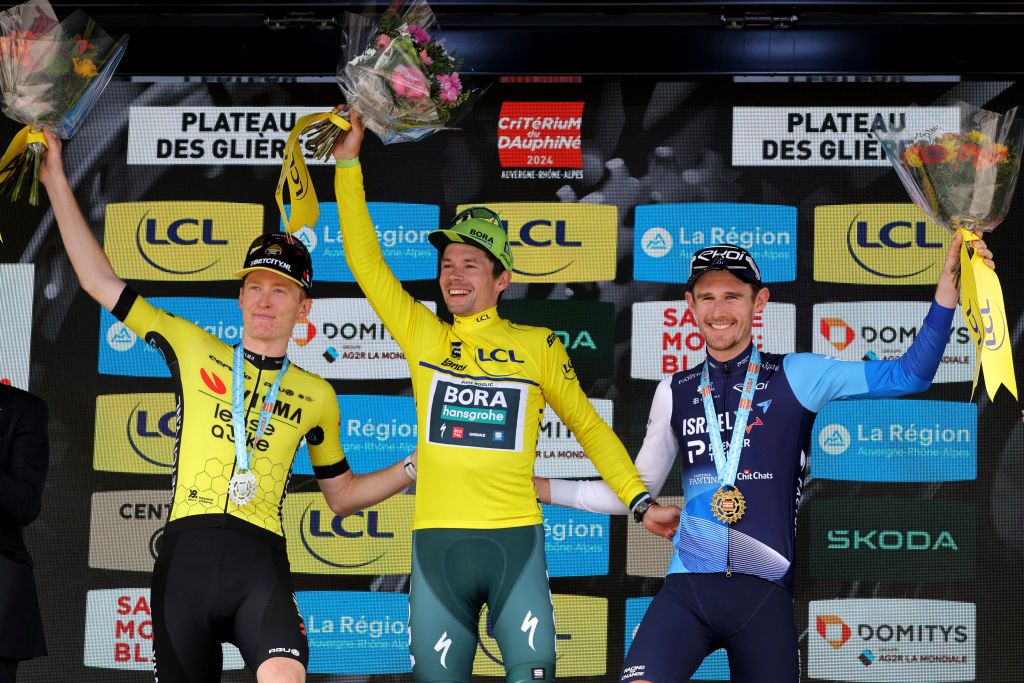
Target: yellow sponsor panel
{"type": "Point", "coordinates": [554, 242]}
{"type": "Point", "coordinates": [877, 244]}
{"type": "Point", "coordinates": [581, 639]}
{"type": "Point", "coordinates": [647, 554]}
{"type": "Point", "coordinates": [180, 241]}
{"type": "Point", "coordinates": [375, 541]}
{"type": "Point", "coordinates": [135, 433]}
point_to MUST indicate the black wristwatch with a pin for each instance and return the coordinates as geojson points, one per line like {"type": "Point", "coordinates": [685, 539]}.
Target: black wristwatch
{"type": "Point", "coordinates": [641, 509]}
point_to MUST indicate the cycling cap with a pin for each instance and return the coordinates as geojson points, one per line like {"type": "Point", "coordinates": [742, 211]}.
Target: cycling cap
{"type": "Point", "coordinates": [281, 253]}
{"type": "Point", "coordinates": [480, 227]}
{"type": "Point", "coordinates": [736, 260]}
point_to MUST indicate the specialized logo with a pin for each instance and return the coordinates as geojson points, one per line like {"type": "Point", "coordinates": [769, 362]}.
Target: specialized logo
{"type": "Point", "coordinates": [891, 640]}
{"type": "Point", "coordinates": [344, 626]}
{"type": "Point", "coordinates": [401, 229]}
{"type": "Point", "coordinates": [561, 242]}
{"type": "Point", "coordinates": [375, 541]}
{"type": "Point", "coordinates": [540, 135]}
{"type": "Point", "coordinates": [894, 244]}
{"type": "Point", "coordinates": [666, 338]}
{"type": "Point", "coordinates": [896, 441]}
{"type": "Point", "coordinates": [179, 241]}
{"type": "Point", "coordinates": [16, 282]}
{"type": "Point", "coordinates": [666, 235]}
{"type": "Point", "coordinates": [135, 433]}
{"type": "Point", "coordinates": [559, 454]}
{"type": "Point", "coordinates": [442, 645]}
{"type": "Point", "coordinates": [119, 632]}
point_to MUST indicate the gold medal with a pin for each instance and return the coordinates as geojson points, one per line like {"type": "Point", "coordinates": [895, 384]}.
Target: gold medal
{"type": "Point", "coordinates": [728, 504]}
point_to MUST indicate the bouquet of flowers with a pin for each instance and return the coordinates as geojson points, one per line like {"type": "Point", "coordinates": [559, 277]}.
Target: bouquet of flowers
{"type": "Point", "coordinates": [964, 180]}
{"type": "Point", "coordinates": [51, 74]}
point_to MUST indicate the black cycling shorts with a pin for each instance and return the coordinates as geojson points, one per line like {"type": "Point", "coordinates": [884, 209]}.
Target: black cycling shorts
{"type": "Point", "coordinates": [215, 585]}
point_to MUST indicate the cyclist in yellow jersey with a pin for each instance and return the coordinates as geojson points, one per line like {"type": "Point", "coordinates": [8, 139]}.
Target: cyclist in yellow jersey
{"type": "Point", "coordinates": [480, 384]}
{"type": "Point", "coordinates": [222, 574]}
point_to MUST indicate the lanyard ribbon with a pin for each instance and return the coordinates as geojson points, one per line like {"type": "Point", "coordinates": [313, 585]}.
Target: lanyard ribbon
{"type": "Point", "coordinates": [243, 459]}
{"type": "Point", "coordinates": [728, 466]}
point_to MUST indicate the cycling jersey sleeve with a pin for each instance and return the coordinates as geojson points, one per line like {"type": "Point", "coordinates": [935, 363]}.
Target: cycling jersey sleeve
{"type": "Point", "coordinates": [324, 440]}
{"type": "Point", "coordinates": [816, 379]}
{"type": "Point", "coordinates": [405, 318]}
{"type": "Point", "coordinates": [165, 331]}
{"type": "Point", "coordinates": [563, 392]}
{"type": "Point", "coordinates": [653, 463]}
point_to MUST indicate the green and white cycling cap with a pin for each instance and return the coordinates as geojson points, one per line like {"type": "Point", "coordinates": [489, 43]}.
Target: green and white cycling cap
{"type": "Point", "coordinates": [480, 227]}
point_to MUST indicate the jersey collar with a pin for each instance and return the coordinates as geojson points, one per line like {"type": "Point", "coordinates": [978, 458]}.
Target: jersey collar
{"type": "Point", "coordinates": [480, 320]}
{"type": "Point", "coordinates": [739, 361]}
{"type": "Point", "coordinates": [263, 362]}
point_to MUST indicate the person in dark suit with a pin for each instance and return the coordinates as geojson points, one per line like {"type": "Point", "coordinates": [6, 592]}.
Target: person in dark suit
{"type": "Point", "coordinates": [24, 455]}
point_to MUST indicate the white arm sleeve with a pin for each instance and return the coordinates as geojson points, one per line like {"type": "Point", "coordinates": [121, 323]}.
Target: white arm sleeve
{"type": "Point", "coordinates": [653, 463]}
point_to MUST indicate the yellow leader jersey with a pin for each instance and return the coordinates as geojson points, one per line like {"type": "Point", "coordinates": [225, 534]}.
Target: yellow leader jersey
{"type": "Point", "coordinates": [480, 386]}
{"type": "Point", "coordinates": [204, 450]}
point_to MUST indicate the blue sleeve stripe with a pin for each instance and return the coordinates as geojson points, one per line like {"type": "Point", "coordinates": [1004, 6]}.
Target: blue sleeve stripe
{"type": "Point", "coordinates": [913, 371]}
{"type": "Point", "coordinates": [816, 380]}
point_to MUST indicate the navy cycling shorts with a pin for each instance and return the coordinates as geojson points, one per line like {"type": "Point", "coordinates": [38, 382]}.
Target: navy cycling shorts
{"type": "Point", "coordinates": [695, 614]}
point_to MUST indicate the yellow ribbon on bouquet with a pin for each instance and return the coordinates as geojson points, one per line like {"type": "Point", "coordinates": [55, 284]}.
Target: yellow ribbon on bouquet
{"type": "Point", "coordinates": [981, 300]}
{"type": "Point", "coordinates": [305, 209]}
{"type": "Point", "coordinates": [22, 139]}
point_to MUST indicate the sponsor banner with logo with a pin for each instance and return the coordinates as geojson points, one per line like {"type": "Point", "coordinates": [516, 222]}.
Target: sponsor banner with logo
{"type": "Point", "coordinates": [345, 339]}
{"type": "Point", "coordinates": [125, 529]}
{"type": "Point", "coordinates": [895, 440]}
{"type": "Point", "coordinates": [402, 231]}
{"type": "Point", "coordinates": [122, 352]}
{"type": "Point", "coordinates": [884, 330]}
{"type": "Point", "coordinates": [827, 136]}
{"type": "Point", "coordinates": [377, 540]}
{"type": "Point", "coordinates": [586, 329]}
{"type": "Point", "coordinates": [891, 640]}
{"type": "Point", "coordinates": [539, 137]}
{"type": "Point", "coordinates": [575, 541]}
{"type": "Point", "coordinates": [647, 554]}
{"type": "Point", "coordinates": [666, 235]}
{"type": "Point", "coordinates": [376, 431]}
{"type": "Point", "coordinates": [877, 244]}
{"type": "Point", "coordinates": [467, 413]}
{"type": "Point", "coordinates": [119, 632]}
{"type": "Point", "coordinates": [179, 241]}
{"type": "Point", "coordinates": [222, 136]}
{"type": "Point", "coordinates": [892, 539]}
{"type": "Point", "coordinates": [16, 282]}
{"type": "Point", "coordinates": [581, 638]}
{"type": "Point", "coordinates": [356, 633]}
{"type": "Point", "coordinates": [715, 666]}
{"type": "Point", "coordinates": [666, 339]}
{"type": "Point", "coordinates": [560, 242]}
{"type": "Point", "coordinates": [135, 433]}
{"type": "Point", "coordinates": [559, 454]}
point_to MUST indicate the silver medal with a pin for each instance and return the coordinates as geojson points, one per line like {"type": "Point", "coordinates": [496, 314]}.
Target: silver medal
{"type": "Point", "coordinates": [242, 487]}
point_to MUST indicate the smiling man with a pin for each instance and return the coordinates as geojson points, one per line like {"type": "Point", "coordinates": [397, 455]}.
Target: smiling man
{"type": "Point", "coordinates": [730, 580]}
{"type": "Point", "coordinates": [481, 384]}
{"type": "Point", "coordinates": [223, 573]}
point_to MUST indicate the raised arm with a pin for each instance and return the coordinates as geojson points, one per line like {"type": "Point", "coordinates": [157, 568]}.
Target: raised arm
{"type": "Point", "coordinates": [91, 265]}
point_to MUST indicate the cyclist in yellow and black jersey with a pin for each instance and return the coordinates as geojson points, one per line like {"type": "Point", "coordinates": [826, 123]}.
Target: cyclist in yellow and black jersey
{"type": "Point", "coordinates": [223, 574]}
{"type": "Point", "coordinates": [480, 384]}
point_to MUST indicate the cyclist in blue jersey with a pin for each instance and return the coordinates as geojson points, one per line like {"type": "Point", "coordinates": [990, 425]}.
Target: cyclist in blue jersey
{"type": "Point", "coordinates": [730, 580]}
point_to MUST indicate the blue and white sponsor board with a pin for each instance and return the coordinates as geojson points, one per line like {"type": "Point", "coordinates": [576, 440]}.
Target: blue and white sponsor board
{"type": "Point", "coordinates": [376, 431]}
{"type": "Point", "coordinates": [402, 231]}
{"type": "Point", "coordinates": [666, 235]}
{"type": "Point", "coordinates": [575, 541]}
{"type": "Point", "coordinates": [122, 352]}
{"type": "Point", "coordinates": [351, 632]}
{"type": "Point", "coordinates": [895, 440]}
{"type": "Point", "coordinates": [715, 666]}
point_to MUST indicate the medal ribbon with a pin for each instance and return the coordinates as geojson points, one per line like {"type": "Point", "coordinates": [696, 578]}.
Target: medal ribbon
{"type": "Point", "coordinates": [305, 209]}
{"type": "Point", "coordinates": [727, 467]}
{"type": "Point", "coordinates": [243, 459]}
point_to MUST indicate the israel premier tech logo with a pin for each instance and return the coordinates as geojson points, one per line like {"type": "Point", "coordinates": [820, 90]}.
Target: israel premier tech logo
{"type": "Point", "coordinates": [350, 632]}
{"type": "Point", "coordinates": [179, 241]}
{"type": "Point", "coordinates": [558, 242]}
{"type": "Point", "coordinates": [877, 244]}
{"type": "Point", "coordinates": [895, 440]}
{"type": "Point", "coordinates": [666, 235]}
{"type": "Point", "coordinates": [891, 640]}
{"type": "Point", "coordinates": [402, 231]}
{"type": "Point", "coordinates": [135, 433]}
{"type": "Point", "coordinates": [377, 540]}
